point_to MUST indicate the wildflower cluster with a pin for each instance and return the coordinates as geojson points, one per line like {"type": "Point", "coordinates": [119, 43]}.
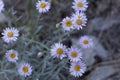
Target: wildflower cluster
{"type": "Point", "coordinates": [78, 19]}
{"type": "Point", "coordinates": [76, 22]}
{"type": "Point", "coordinates": [58, 50]}
{"type": "Point", "coordinates": [10, 35]}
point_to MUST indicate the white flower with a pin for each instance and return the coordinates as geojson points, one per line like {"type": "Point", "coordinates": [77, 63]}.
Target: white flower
{"type": "Point", "coordinates": [58, 50]}
{"type": "Point", "coordinates": [67, 24]}
{"type": "Point", "coordinates": [79, 20]}
{"type": "Point", "coordinates": [74, 54]}
{"type": "Point", "coordinates": [43, 6]}
{"type": "Point", "coordinates": [10, 34]}
{"type": "Point", "coordinates": [78, 14]}
{"type": "Point", "coordinates": [80, 5]}
{"type": "Point", "coordinates": [12, 55]}
{"type": "Point", "coordinates": [86, 42]}
{"type": "Point", "coordinates": [77, 68]}
{"type": "Point", "coordinates": [25, 69]}
{"type": "Point", "coordinates": [1, 6]}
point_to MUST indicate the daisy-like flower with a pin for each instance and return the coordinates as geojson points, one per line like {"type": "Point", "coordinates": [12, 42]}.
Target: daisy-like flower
{"type": "Point", "coordinates": [77, 68]}
{"type": "Point", "coordinates": [25, 69]}
{"type": "Point", "coordinates": [78, 14]}
{"type": "Point", "coordinates": [10, 35]}
{"type": "Point", "coordinates": [43, 6]}
{"type": "Point", "coordinates": [67, 24]}
{"type": "Point", "coordinates": [86, 42]}
{"type": "Point", "coordinates": [79, 20]}
{"type": "Point", "coordinates": [74, 54]}
{"type": "Point", "coordinates": [58, 50]}
{"type": "Point", "coordinates": [1, 5]}
{"type": "Point", "coordinates": [80, 5]}
{"type": "Point", "coordinates": [12, 55]}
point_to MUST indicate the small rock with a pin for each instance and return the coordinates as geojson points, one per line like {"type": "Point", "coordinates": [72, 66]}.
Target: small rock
{"type": "Point", "coordinates": [101, 73]}
{"type": "Point", "coordinates": [3, 18]}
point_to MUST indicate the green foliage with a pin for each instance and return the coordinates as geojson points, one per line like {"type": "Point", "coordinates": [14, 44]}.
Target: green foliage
{"type": "Point", "coordinates": [37, 33]}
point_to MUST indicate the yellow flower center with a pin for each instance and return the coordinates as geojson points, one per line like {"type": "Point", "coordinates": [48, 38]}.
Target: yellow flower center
{"type": "Point", "coordinates": [25, 69]}
{"type": "Point", "coordinates": [74, 54]}
{"type": "Point", "coordinates": [42, 5]}
{"type": "Point", "coordinates": [80, 4]}
{"type": "Point", "coordinates": [79, 21]}
{"type": "Point", "coordinates": [79, 17]}
{"type": "Point", "coordinates": [59, 51]}
{"type": "Point", "coordinates": [12, 55]}
{"type": "Point", "coordinates": [85, 41]}
{"type": "Point", "coordinates": [10, 34]}
{"type": "Point", "coordinates": [68, 23]}
{"type": "Point", "coordinates": [76, 67]}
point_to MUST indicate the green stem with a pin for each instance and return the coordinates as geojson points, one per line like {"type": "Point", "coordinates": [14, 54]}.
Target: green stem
{"type": "Point", "coordinates": [42, 45]}
{"type": "Point", "coordinates": [36, 42]}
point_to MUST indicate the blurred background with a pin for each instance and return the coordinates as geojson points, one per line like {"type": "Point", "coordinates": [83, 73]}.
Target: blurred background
{"type": "Point", "coordinates": [103, 25]}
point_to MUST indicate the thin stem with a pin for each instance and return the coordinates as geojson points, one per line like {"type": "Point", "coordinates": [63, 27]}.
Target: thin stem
{"type": "Point", "coordinates": [41, 44]}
